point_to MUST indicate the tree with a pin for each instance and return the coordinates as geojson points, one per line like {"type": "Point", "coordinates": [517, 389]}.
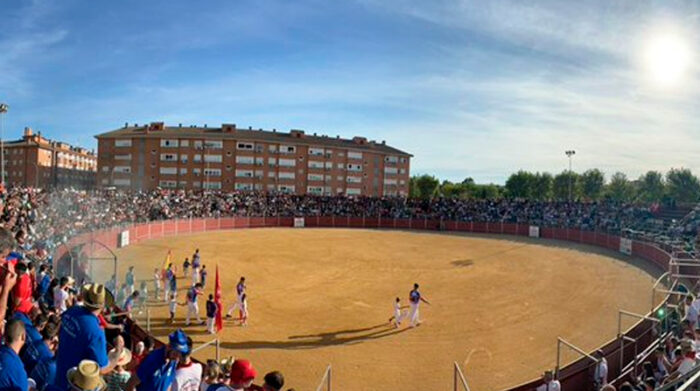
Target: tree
{"type": "Point", "coordinates": [520, 184]}
{"type": "Point", "coordinates": [426, 185]}
{"type": "Point", "coordinates": [487, 192]}
{"type": "Point", "coordinates": [452, 190]}
{"type": "Point", "coordinates": [620, 189]}
{"type": "Point", "coordinates": [651, 187]}
{"type": "Point", "coordinates": [542, 186]}
{"type": "Point", "coordinates": [560, 186]}
{"type": "Point", "coordinates": [592, 182]}
{"type": "Point", "coordinates": [683, 186]}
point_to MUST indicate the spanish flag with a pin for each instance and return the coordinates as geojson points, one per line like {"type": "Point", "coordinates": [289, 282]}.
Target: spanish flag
{"type": "Point", "coordinates": [166, 262]}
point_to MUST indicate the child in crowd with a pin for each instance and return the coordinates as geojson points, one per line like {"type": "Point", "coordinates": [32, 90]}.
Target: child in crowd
{"type": "Point", "coordinates": [116, 380]}
{"type": "Point", "coordinates": [210, 375]}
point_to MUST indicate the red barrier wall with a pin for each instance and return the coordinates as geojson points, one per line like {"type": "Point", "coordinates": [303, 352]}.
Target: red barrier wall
{"type": "Point", "coordinates": [575, 376]}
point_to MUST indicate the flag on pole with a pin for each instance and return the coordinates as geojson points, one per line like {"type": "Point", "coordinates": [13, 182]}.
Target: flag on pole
{"type": "Point", "coordinates": [217, 300]}
{"type": "Point", "coordinates": [166, 262]}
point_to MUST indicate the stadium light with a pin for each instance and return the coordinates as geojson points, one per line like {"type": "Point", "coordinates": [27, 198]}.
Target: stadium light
{"type": "Point", "coordinates": [3, 109]}
{"type": "Point", "coordinates": [569, 154]}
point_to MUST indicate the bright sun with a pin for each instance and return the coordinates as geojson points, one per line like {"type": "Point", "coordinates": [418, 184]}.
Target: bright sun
{"type": "Point", "coordinates": [667, 58]}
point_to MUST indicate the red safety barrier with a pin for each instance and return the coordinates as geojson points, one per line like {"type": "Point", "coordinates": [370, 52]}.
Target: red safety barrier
{"type": "Point", "coordinates": [575, 376]}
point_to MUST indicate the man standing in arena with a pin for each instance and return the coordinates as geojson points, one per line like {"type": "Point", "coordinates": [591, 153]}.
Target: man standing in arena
{"type": "Point", "coordinates": [130, 281]}
{"type": "Point", "coordinates": [168, 275]}
{"type": "Point", "coordinates": [192, 306]}
{"type": "Point", "coordinates": [240, 290]}
{"type": "Point", "coordinates": [415, 298]}
{"type": "Point", "coordinates": [156, 283]}
{"type": "Point", "coordinates": [196, 264]}
{"type": "Point", "coordinates": [549, 383]}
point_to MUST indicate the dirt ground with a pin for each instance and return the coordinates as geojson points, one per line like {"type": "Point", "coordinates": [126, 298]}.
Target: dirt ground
{"type": "Point", "coordinates": [323, 296]}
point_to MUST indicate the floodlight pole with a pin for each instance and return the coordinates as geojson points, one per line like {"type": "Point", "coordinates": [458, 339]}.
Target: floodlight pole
{"type": "Point", "coordinates": [569, 154]}
{"type": "Point", "coordinates": [3, 110]}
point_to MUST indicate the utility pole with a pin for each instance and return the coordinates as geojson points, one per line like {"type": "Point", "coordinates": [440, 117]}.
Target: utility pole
{"type": "Point", "coordinates": [3, 110]}
{"type": "Point", "coordinates": [569, 154]}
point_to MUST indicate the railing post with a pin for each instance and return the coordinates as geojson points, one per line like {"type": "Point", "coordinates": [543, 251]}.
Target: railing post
{"type": "Point", "coordinates": [148, 319]}
{"type": "Point", "coordinates": [217, 350]}
{"type": "Point", "coordinates": [330, 371]}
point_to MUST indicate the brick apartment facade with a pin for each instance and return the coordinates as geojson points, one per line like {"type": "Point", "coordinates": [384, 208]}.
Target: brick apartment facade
{"type": "Point", "coordinates": [228, 158]}
{"type": "Point", "coordinates": [39, 162]}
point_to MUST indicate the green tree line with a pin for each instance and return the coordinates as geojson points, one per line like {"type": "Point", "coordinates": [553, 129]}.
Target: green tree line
{"type": "Point", "coordinates": [677, 185]}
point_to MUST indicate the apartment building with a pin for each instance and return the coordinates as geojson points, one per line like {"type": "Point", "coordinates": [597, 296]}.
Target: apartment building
{"type": "Point", "coordinates": [40, 162]}
{"type": "Point", "coordinates": [230, 158]}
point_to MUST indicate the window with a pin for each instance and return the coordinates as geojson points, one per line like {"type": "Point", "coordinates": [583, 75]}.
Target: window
{"type": "Point", "coordinates": [259, 174]}
{"type": "Point", "coordinates": [315, 177]}
{"type": "Point", "coordinates": [271, 161]}
{"type": "Point", "coordinates": [329, 166]}
{"type": "Point", "coordinates": [167, 184]}
{"type": "Point", "coordinates": [122, 169]}
{"type": "Point", "coordinates": [183, 158]}
{"type": "Point", "coordinates": [198, 144]}
{"type": "Point", "coordinates": [183, 171]}
{"type": "Point", "coordinates": [390, 181]}
{"type": "Point", "coordinates": [185, 143]}
{"type": "Point", "coordinates": [197, 158]}
{"type": "Point", "coordinates": [286, 188]}
{"type": "Point", "coordinates": [390, 170]}
{"type": "Point", "coordinates": [168, 157]}
{"type": "Point", "coordinates": [354, 179]}
{"type": "Point", "coordinates": [341, 178]}
{"type": "Point", "coordinates": [212, 172]}
{"type": "Point", "coordinates": [183, 184]}
{"type": "Point", "coordinates": [341, 166]}
{"type": "Point", "coordinates": [271, 174]}
{"type": "Point", "coordinates": [259, 161]}
{"type": "Point", "coordinates": [314, 190]}
{"type": "Point", "coordinates": [122, 182]}
{"type": "Point", "coordinates": [402, 182]}
{"type": "Point", "coordinates": [244, 159]}
{"type": "Point", "coordinates": [213, 144]}
{"type": "Point", "coordinates": [351, 191]}
{"type": "Point", "coordinates": [354, 155]}
{"type": "Point", "coordinates": [272, 148]}
{"type": "Point", "coordinates": [316, 151]}
{"type": "Point", "coordinates": [315, 164]}
{"type": "Point", "coordinates": [244, 186]}
{"type": "Point", "coordinates": [105, 168]}
{"type": "Point", "coordinates": [168, 170]}
{"type": "Point", "coordinates": [391, 159]}
{"type": "Point", "coordinates": [122, 143]}
{"type": "Point", "coordinates": [196, 171]}
{"type": "Point", "coordinates": [212, 185]}
{"type": "Point", "coordinates": [212, 158]}
{"type": "Point", "coordinates": [402, 160]}
{"type": "Point", "coordinates": [288, 149]}
{"type": "Point", "coordinates": [245, 146]}
{"type": "Point", "coordinates": [244, 173]}
{"type": "Point", "coordinates": [402, 171]}
{"type": "Point", "coordinates": [122, 157]}
{"type": "Point", "coordinates": [164, 143]}
{"type": "Point", "coordinates": [355, 167]}
{"type": "Point", "coordinates": [286, 175]}
{"type": "Point", "coordinates": [287, 162]}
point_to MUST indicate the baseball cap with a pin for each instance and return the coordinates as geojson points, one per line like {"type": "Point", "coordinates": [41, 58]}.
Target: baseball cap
{"type": "Point", "coordinates": [241, 371]}
{"type": "Point", "coordinates": [178, 341]}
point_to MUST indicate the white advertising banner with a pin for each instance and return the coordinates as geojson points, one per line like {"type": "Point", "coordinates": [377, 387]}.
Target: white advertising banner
{"type": "Point", "coordinates": [123, 239]}
{"type": "Point", "coordinates": [298, 222]}
{"type": "Point", "coordinates": [534, 231]}
{"type": "Point", "coordinates": [626, 246]}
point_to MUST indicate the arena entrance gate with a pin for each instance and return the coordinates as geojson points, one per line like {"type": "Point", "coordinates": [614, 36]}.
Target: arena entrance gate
{"type": "Point", "coordinates": [79, 261]}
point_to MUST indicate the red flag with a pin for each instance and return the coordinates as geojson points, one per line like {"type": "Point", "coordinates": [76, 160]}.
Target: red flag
{"type": "Point", "coordinates": [217, 300]}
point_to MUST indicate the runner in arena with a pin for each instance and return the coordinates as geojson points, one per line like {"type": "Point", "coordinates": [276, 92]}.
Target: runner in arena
{"type": "Point", "coordinates": [415, 298]}
{"type": "Point", "coordinates": [240, 290]}
{"type": "Point", "coordinates": [398, 314]}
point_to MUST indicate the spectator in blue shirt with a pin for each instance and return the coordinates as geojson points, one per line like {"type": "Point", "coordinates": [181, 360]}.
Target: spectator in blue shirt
{"type": "Point", "coordinates": [13, 377]}
{"type": "Point", "coordinates": [81, 337]}
{"type": "Point", "coordinates": [157, 370]}
{"type": "Point", "coordinates": [44, 372]}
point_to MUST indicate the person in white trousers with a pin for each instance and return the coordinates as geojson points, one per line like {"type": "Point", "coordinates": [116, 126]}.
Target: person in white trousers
{"type": "Point", "coordinates": [192, 306]}
{"type": "Point", "coordinates": [240, 291]}
{"type": "Point", "coordinates": [398, 314]}
{"type": "Point", "coordinates": [415, 298]}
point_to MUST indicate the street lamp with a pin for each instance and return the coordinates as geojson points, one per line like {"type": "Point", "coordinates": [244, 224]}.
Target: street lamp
{"type": "Point", "coordinates": [569, 154]}
{"type": "Point", "coordinates": [3, 109]}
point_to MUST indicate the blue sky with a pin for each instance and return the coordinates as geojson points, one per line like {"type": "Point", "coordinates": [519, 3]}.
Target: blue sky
{"type": "Point", "coordinates": [471, 88]}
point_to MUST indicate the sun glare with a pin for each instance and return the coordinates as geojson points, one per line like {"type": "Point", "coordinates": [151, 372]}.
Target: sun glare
{"type": "Point", "coordinates": [667, 58]}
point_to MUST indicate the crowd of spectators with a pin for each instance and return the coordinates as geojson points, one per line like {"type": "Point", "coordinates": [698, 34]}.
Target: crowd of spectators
{"type": "Point", "coordinates": [56, 333]}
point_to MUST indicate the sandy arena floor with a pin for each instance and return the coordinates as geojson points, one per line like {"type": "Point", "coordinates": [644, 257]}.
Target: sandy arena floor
{"type": "Point", "coordinates": [320, 296]}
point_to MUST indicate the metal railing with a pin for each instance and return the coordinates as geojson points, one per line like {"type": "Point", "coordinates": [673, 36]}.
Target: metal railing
{"type": "Point", "coordinates": [326, 379]}
{"type": "Point", "coordinates": [459, 378]}
{"type": "Point", "coordinates": [214, 341]}
{"type": "Point", "coordinates": [561, 341]}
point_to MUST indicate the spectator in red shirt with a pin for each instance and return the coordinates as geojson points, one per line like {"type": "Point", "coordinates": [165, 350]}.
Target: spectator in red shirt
{"type": "Point", "coordinates": [23, 290]}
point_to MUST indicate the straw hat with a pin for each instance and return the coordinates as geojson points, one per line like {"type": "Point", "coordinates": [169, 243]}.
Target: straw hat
{"type": "Point", "coordinates": [94, 296]}
{"type": "Point", "coordinates": [123, 358]}
{"type": "Point", "coordinates": [86, 376]}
